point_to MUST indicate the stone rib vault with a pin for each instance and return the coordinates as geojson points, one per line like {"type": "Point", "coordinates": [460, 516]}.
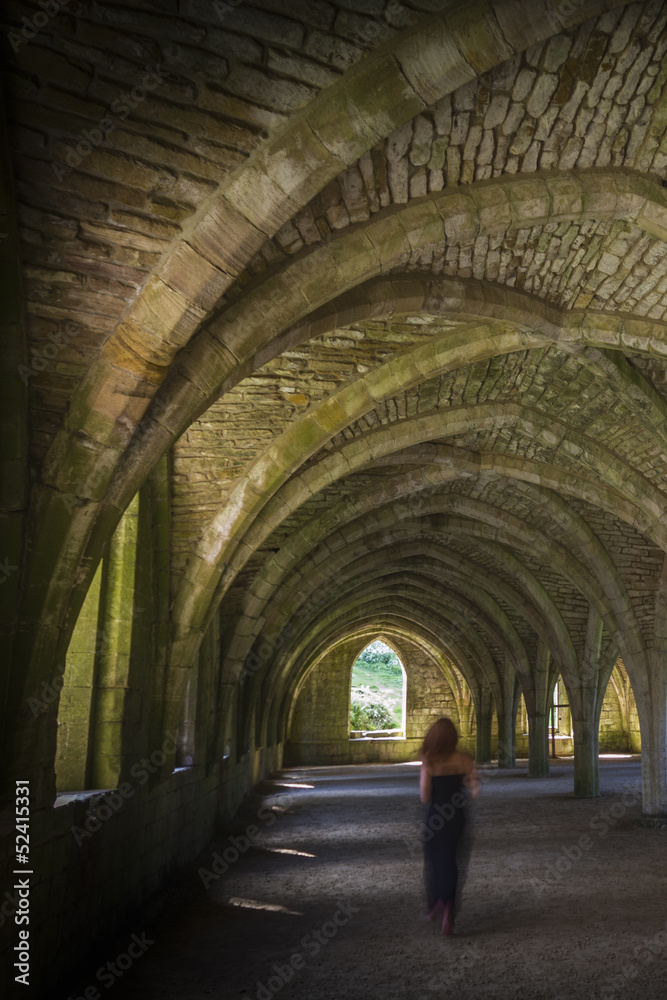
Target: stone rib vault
{"type": "Point", "coordinates": [323, 322]}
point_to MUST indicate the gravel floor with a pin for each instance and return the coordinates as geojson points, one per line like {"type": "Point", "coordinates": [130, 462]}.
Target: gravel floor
{"type": "Point", "coordinates": [564, 898]}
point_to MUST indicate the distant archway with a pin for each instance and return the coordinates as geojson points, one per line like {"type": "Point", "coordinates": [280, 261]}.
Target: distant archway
{"type": "Point", "coordinates": [619, 721]}
{"type": "Point", "coordinates": [378, 691]}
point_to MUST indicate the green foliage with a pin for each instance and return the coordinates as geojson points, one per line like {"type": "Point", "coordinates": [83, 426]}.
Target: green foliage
{"type": "Point", "coordinates": [370, 715]}
{"type": "Point", "coordinates": [377, 689]}
{"type": "Point", "coordinates": [378, 656]}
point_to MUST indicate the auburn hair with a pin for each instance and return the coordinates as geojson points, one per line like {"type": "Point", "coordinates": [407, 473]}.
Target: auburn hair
{"type": "Point", "coordinates": [440, 741]}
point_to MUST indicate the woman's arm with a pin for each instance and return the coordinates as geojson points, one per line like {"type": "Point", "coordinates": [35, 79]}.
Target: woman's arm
{"type": "Point", "coordinates": [472, 781]}
{"type": "Point", "coordinates": [425, 783]}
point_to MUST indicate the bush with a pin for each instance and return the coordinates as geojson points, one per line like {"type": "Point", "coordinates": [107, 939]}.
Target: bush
{"type": "Point", "coordinates": [371, 715]}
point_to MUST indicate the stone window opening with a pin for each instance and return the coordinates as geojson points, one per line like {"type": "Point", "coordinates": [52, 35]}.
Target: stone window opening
{"type": "Point", "coordinates": [378, 694]}
{"type": "Point", "coordinates": [560, 717]}
{"type": "Point", "coordinates": [97, 664]}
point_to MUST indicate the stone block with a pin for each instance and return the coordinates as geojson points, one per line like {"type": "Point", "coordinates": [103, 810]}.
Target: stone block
{"type": "Point", "coordinates": [653, 217]}
{"type": "Point", "coordinates": [285, 176]}
{"type": "Point", "coordinates": [522, 24]}
{"type": "Point", "coordinates": [226, 238]}
{"type": "Point", "coordinates": [461, 220]}
{"type": "Point", "coordinates": [375, 101]}
{"type": "Point", "coordinates": [474, 29]}
{"type": "Point", "coordinates": [167, 318]}
{"type": "Point", "coordinates": [530, 202]}
{"type": "Point", "coordinates": [198, 281]}
{"type": "Point", "coordinates": [280, 94]}
{"type": "Point", "coordinates": [432, 62]}
{"type": "Point", "coordinates": [493, 208]}
{"type": "Point", "coordinates": [566, 197]}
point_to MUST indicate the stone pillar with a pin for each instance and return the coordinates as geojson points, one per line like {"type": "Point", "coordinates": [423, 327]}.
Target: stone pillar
{"type": "Point", "coordinates": [651, 699]}
{"type": "Point", "coordinates": [72, 753]}
{"type": "Point", "coordinates": [112, 666]}
{"type": "Point", "coordinates": [507, 719]}
{"type": "Point", "coordinates": [538, 704]}
{"type": "Point", "coordinates": [586, 756]}
{"type": "Point", "coordinates": [484, 714]}
{"type": "Point", "coordinates": [586, 705]}
{"type": "Point", "coordinates": [652, 709]}
{"type": "Point", "coordinates": [159, 499]}
{"type": "Point", "coordinates": [538, 744]}
{"type": "Point", "coordinates": [507, 738]}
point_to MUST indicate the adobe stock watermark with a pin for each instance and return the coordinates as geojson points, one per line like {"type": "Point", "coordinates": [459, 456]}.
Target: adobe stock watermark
{"type": "Point", "coordinates": [91, 138]}
{"type": "Point", "coordinates": [50, 690]}
{"type": "Point", "coordinates": [443, 812]}
{"type": "Point", "coordinates": [109, 803]}
{"type": "Point", "coordinates": [645, 954]}
{"type": "Point", "coordinates": [83, 489]}
{"type": "Point", "coordinates": [238, 845]}
{"type": "Point", "coordinates": [31, 26]}
{"type": "Point", "coordinates": [224, 9]}
{"type": "Point", "coordinates": [48, 694]}
{"type": "Point", "coordinates": [312, 943]}
{"type": "Point", "coordinates": [256, 659]}
{"type": "Point", "coordinates": [42, 357]}
{"type": "Point", "coordinates": [311, 604]}
{"type": "Point", "coordinates": [108, 973]}
{"type": "Point", "coordinates": [6, 570]}
{"type": "Point", "coordinates": [116, 16]}
{"type": "Point", "coordinates": [410, 505]}
{"type": "Point", "coordinates": [600, 824]}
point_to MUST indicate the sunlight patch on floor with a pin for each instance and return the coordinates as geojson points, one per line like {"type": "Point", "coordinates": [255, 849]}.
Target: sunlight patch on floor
{"type": "Point", "coordinates": [256, 904]}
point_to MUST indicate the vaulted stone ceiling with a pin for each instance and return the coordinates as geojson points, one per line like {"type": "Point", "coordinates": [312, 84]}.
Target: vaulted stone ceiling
{"type": "Point", "coordinates": [388, 283]}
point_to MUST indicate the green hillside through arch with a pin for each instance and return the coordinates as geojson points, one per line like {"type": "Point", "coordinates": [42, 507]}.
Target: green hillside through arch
{"type": "Point", "coordinates": [377, 689]}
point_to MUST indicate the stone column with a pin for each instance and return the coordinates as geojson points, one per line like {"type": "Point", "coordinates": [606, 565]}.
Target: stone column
{"type": "Point", "coordinates": [112, 667]}
{"type": "Point", "coordinates": [484, 714]}
{"type": "Point", "coordinates": [507, 738]}
{"type": "Point", "coordinates": [507, 719]}
{"type": "Point", "coordinates": [159, 498]}
{"type": "Point", "coordinates": [538, 744]}
{"type": "Point", "coordinates": [586, 751]}
{"type": "Point", "coordinates": [585, 705]}
{"type": "Point", "coordinates": [652, 709]}
{"type": "Point", "coordinates": [74, 729]}
{"type": "Point", "coordinates": [538, 704]}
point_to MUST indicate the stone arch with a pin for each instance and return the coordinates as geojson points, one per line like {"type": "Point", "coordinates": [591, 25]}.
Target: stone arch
{"type": "Point", "coordinates": [361, 627]}
{"type": "Point", "coordinates": [252, 203]}
{"type": "Point", "coordinates": [593, 197]}
{"type": "Point", "coordinates": [305, 484]}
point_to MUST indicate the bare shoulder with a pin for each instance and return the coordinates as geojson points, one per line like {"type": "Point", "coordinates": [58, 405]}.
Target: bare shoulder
{"type": "Point", "coordinates": [459, 762]}
{"type": "Point", "coordinates": [465, 760]}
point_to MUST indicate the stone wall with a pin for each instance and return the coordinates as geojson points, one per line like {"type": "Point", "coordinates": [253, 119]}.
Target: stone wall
{"type": "Point", "coordinates": [98, 857]}
{"type": "Point", "coordinates": [320, 724]}
{"type": "Point", "coordinates": [319, 731]}
{"type": "Point", "coordinates": [124, 818]}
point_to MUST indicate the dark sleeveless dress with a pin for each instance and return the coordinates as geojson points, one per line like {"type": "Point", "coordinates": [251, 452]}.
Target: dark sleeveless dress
{"type": "Point", "coordinates": [442, 836]}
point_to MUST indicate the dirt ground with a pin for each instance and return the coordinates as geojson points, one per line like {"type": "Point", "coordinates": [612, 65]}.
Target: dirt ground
{"type": "Point", "coordinates": [564, 898]}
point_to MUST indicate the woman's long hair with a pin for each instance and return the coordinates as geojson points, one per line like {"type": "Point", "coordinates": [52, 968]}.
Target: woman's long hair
{"type": "Point", "coordinates": [440, 741]}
